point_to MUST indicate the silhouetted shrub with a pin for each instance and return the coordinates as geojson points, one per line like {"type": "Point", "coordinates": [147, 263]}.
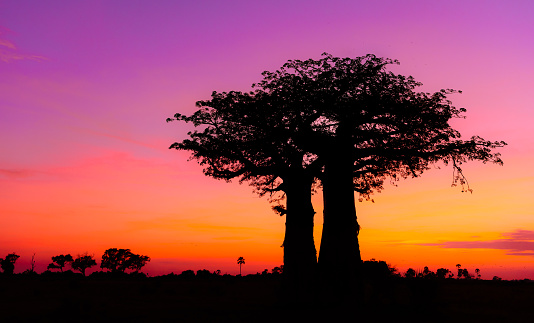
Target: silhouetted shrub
{"type": "Point", "coordinates": [8, 263]}
{"type": "Point", "coordinates": [410, 273]}
{"type": "Point", "coordinates": [188, 274]}
{"type": "Point", "coordinates": [60, 261]}
{"type": "Point", "coordinates": [375, 270]}
{"type": "Point", "coordinates": [118, 260]}
{"type": "Point", "coordinates": [83, 262]}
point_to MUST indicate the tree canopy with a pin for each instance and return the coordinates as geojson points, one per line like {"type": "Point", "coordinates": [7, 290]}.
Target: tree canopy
{"type": "Point", "coordinates": [347, 124]}
{"type": "Point", "coordinates": [243, 137]}
{"type": "Point", "coordinates": [367, 125]}
{"type": "Point", "coordinates": [118, 260]}
{"type": "Point", "coordinates": [83, 262]}
{"type": "Point", "coordinates": [391, 130]}
{"type": "Point", "coordinates": [60, 261]}
{"type": "Point", "coordinates": [8, 263]}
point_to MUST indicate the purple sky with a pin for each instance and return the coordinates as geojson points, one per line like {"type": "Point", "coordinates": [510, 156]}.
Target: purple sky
{"type": "Point", "coordinates": [85, 88]}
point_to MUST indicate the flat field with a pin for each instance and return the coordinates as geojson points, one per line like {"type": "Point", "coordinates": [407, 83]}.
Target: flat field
{"type": "Point", "coordinates": [257, 299]}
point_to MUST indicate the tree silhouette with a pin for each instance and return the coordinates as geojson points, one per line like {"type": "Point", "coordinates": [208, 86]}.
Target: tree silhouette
{"type": "Point", "coordinates": [427, 273]}
{"type": "Point", "coordinates": [32, 268]}
{"type": "Point", "coordinates": [83, 262]}
{"type": "Point", "coordinates": [477, 271]}
{"type": "Point", "coordinates": [466, 274]}
{"type": "Point", "coordinates": [460, 271]}
{"type": "Point", "coordinates": [348, 122]}
{"type": "Point", "coordinates": [243, 137]}
{"type": "Point", "coordinates": [442, 273]}
{"type": "Point", "coordinates": [410, 273]}
{"type": "Point", "coordinates": [118, 260]}
{"type": "Point", "coordinates": [278, 270]}
{"type": "Point", "coordinates": [240, 261]}
{"type": "Point", "coordinates": [60, 261]}
{"type": "Point", "coordinates": [8, 263]}
{"type": "Point", "coordinates": [370, 125]}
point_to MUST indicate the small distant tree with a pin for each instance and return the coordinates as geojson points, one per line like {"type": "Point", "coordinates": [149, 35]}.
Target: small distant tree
{"type": "Point", "coordinates": [460, 271]}
{"type": "Point", "coordinates": [277, 270]}
{"type": "Point", "coordinates": [393, 271]}
{"type": "Point", "coordinates": [240, 261]}
{"type": "Point", "coordinates": [477, 271]}
{"type": "Point", "coordinates": [441, 273]}
{"type": "Point", "coordinates": [203, 273]}
{"type": "Point", "coordinates": [60, 261]}
{"type": "Point", "coordinates": [8, 263]}
{"type": "Point", "coordinates": [83, 262]}
{"type": "Point", "coordinates": [466, 274]}
{"type": "Point", "coordinates": [427, 273]}
{"type": "Point", "coordinates": [118, 260]}
{"type": "Point", "coordinates": [187, 274]}
{"type": "Point", "coordinates": [31, 270]}
{"type": "Point", "coordinates": [410, 273]}
{"type": "Point", "coordinates": [136, 262]}
{"type": "Point", "coordinates": [496, 278]}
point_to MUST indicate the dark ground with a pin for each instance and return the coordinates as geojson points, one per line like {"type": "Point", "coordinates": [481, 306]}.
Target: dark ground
{"type": "Point", "coordinates": [25, 298]}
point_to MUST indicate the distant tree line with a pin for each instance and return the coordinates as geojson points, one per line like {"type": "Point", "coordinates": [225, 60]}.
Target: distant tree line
{"type": "Point", "coordinates": [114, 260]}
{"type": "Point", "coordinates": [120, 260]}
{"type": "Point", "coordinates": [442, 273]}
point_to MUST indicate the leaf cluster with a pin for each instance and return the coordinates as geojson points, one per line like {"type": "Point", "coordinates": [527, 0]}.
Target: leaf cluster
{"type": "Point", "coordinates": [60, 261]}
{"type": "Point", "coordinates": [295, 118]}
{"type": "Point", "coordinates": [83, 262]}
{"type": "Point", "coordinates": [118, 260]}
{"type": "Point", "coordinates": [8, 263]}
{"type": "Point", "coordinates": [244, 136]}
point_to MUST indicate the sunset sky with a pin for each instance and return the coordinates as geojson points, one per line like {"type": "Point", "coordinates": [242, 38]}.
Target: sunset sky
{"type": "Point", "coordinates": [85, 88]}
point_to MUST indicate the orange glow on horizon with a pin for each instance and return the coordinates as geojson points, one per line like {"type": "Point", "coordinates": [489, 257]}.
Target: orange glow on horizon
{"type": "Point", "coordinates": [84, 158]}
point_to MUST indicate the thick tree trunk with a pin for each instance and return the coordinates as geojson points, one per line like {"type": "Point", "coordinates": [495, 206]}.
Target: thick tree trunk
{"type": "Point", "coordinates": [339, 256]}
{"type": "Point", "coordinates": [300, 255]}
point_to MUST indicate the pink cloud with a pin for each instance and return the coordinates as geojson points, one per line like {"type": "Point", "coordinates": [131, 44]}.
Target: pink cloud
{"type": "Point", "coordinates": [517, 243]}
{"type": "Point", "coordinates": [520, 235]}
{"type": "Point", "coordinates": [8, 50]}
{"type": "Point", "coordinates": [16, 173]}
{"type": "Point", "coordinates": [7, 43]}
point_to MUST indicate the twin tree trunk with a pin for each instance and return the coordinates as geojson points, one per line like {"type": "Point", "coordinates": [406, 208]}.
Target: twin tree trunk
{"type": "Point", "coordinates": [339, 257]}
{"type": "Point", "coordinates": [300, 255]}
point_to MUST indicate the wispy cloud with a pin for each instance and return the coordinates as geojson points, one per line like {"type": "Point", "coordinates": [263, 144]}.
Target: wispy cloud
{"type": "Point", "coordinates": [516, 243]}
{"type": "Point", "coordinates": [7, 43]}
{"type": "Point", "coordinates": [9, 52]}
{"type": "Point", "coordinates": [520, 235]}
{"type": "Point", "coordinates": [16, 173]}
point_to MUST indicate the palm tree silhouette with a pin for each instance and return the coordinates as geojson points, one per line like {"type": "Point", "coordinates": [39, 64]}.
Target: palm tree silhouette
{"type": "Point", "coordinates": [240, 261]}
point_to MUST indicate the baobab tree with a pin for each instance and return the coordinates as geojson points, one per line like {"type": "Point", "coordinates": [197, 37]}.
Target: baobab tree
{"type": "Point", "coordinates": [352, 124]}
{"type": "Point", "coordinates": [240, 261]}
{"type": "Point", "coordinates": [367, 125]}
